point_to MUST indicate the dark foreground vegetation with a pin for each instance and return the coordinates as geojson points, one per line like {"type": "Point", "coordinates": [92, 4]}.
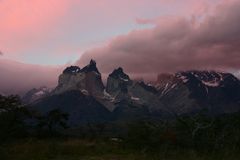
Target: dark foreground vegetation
{"type": "Point", "coordinates": [29, 135]}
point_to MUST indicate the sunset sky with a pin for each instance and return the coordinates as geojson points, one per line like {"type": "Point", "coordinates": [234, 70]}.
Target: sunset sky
{"type": "Point", "coordinates": [146, 37]}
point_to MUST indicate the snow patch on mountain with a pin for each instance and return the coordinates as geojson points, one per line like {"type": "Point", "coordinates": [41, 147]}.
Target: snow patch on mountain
{"type": "Point", "coordinates": [135, 98]}
{"type": "Point", "coordinates": [211, 84]}
{"type": "Point", "coordinates": [35, 94]}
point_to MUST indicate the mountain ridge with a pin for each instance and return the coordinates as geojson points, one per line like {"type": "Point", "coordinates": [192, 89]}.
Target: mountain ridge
{"type": "Point", "coordinates": [181, 93]}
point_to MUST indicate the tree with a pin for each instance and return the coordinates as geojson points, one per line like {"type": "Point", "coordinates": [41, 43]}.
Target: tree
{"type": "Point", "coordinates": [195, 131]}
{"type": "Point", "coordinates": [53, 120]}
{"type": "Point", "coordinates": [13, 115]}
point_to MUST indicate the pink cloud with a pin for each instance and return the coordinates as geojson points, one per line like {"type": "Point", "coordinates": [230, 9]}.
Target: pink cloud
{"type": "Point", "coordinates": [28, 26]}
{"type": "Point", "coordinates": [176, 44]}
{"type": "Point", "coordinates": [17, 78]}
{"type": "Point", "coordinates": [187, 34]}
{"type": "Point", "coordinates": [21, 17]}
{"type": "Point", "coordinates": [25, 23]}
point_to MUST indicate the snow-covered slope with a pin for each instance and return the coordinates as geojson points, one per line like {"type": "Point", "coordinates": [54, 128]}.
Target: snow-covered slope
{"type": "Point", "coordinates": [210, 89]}
{"type": "Point", "coordinates": [36, 94]}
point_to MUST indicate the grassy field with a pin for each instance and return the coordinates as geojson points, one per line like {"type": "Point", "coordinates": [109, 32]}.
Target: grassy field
{"type": "Point", "coordinates": [196, 137]}
{"type": "Point", "coordinates": [77, 149]}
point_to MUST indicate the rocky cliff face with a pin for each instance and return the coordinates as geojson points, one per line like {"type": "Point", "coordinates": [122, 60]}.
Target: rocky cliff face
{"type": "Point", "coordinates": [87, 80]}
{"type": "Point", "coordinates": [125, 91]}
{"type": "Point", "coordinates": [118, 82]}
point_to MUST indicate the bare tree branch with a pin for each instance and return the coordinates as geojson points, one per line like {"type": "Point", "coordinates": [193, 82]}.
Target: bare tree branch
{"type": "Point", "coordinates": [200, 126]}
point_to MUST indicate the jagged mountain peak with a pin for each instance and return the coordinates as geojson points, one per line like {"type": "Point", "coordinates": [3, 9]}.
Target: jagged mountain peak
{"type": "Point", "coordinates": [72, 69]}
{"type": "Point", "coordinates": [119, 74]}
{"type": "Point", "coordinates": [92, 62]}
{"type": "Point", "coordinates": [208, 78]}
{"type": "Point", "coordinates": [118, 81]}
{"type": "Point", "coordinates": [91, 67]}
{"type": "Point", "coordinates": [204, 84]}
{"type": "Point", "coordinates": [88, 80]}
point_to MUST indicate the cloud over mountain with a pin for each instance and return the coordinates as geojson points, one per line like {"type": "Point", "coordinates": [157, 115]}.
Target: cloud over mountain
{"type": "Point", "coordinates": [17, 77]}
{"type": "Point", "coordinates": [176, 44]}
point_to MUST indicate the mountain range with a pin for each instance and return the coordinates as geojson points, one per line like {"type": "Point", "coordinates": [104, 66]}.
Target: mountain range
{"type": "Point", "coordinates": [81, 93]}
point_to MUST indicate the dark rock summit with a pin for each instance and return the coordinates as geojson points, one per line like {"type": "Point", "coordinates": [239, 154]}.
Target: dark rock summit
{"type": "Point", "coordinates": [72, 69]}
{"type": "Point", "coordinates": [119, 74]}
{"type": "Point", "coordinates": [91, 67]}
{"type": "Point", "coordinates": [117, 82]}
